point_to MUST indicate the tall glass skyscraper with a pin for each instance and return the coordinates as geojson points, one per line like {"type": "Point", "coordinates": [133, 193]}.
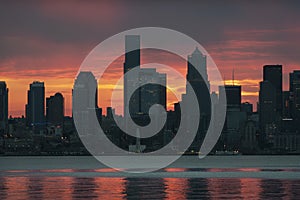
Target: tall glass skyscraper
{"type": "Point", "coordinates": [273, 74]}
{"type": "Point", "coordinates": [132, 60]}
{"type": "Point", "coordinates": [35, 108]}
{"type": "Point", "coordinates": [295, 93]}
{"type": "Point", "coordinates": [270, 102]}
{"type": "Point", "coordinates": [3, 107]}
{"type": "Point", "coordinates": [201, 86]}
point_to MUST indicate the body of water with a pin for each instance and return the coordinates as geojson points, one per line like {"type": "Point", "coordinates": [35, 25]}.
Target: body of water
{"type": "Point", "coordinates": [214, 177]}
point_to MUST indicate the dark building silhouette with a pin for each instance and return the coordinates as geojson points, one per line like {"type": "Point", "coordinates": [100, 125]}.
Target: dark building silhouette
{"type": "Point", "coordinates": [3, 108]}
{"type": "Point", "coordinates": [99, 114]}
{"type": "Point", "coordinates": [286, 105]}
{"type": "Point", "coordinates": [85, 109]}
{"type": "Point", "coordinates": [200, 85]}
{"type": "Point", "coordinates": [143, 88]}
{"type": "Point", "coordinates": [247, 107]}
{"type": "Point", "coordinates": [295, 94]}
{"type": "Point", "coordinates": [85, 91]}
{"type": "Point", "coordinates": [273, 74]}
{"type": "Point", "coordinates": [35, 108]}
{"type": "Point", "coordinates": [84, 82]}
{"type": "Point", "coordinates": [110, 112]}
{"type": "Point", "coordinates": [55, 109]}
{"type": "Point", "coordinates": [235, 118]}
{"type": "Point", "coordinates": [151, 94]}
{"type": "Point", "coordinates": [270, 103]}
{"type": "Point", "coordinates": [177, 111]}
{"type": "Point", "coordinates": [132, 60]}
{"type": "Point", "coordinates": [268, 116]}
{"type": "Point", "coordinates": [249, 142]}
{"type": "Point", "coordinates": [233, 96]}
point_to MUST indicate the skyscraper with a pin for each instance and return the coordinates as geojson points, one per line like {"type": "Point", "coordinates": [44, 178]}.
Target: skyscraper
{"type": "Point", "coordinates": [85, 103]}
{"type": "Point", "coordinates": [286, 105]}
{"type": "Point", "coordinates": [142, 89]}
{"type": "Point", "coordinates": [35, 108]}
{"type": "Point", "coordinates": [270, 102]}
{"type": "Point", "coordinates": [132, 60]}
{"type": "Point", "coordinates": [55, 109]}
{"type": "Point", "coordinates": [233, 96]}
{"type": "Point", "coordinates": [132, 52]}
{"type": "Point", "coordinates": [199, 82]}
{"type": "Point", "coordinates": [295, 94]}
{"type": "Point", "coordinates": [200, 85]}
{"type": "Point", "coordinates": [3, 107]}
{"type": "Point", "coordinates": [152, 93]}
{"type": "Point", "coordinates": [235, 117]}
{"type": "Point", "coordinates": [146, 94]}
{"type": "Point", "coordinates": [84, 82]}
{"type": "Point", "coordinates": [267, 104]}
{"type": "Point", "coordinates": [247, 107]}
{"type": "Point", "coordinates": [273, 74]}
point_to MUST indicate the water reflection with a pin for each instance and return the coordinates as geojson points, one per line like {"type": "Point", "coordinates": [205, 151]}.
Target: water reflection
{"type": "Point", "coordinates": [283, 189]}
{"type": "Point", "coordinates": [70, 187]}
{"type": "Point", "coordinates": [110, 188]}
{"type": "Point", "coordinates": [84, 188]}
{"type": "Point", "coordinates": [250, 188]}
{"type": "Point", "coordinates": [175, 188]}
{"type": "Point", "coordinates": [220, 188]}
{"type": "Point", "coordinates": [57, 187]}
{"type": "Point", "coordinates": [145, 188]}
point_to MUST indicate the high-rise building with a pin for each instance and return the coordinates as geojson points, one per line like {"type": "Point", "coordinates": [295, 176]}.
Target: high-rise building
{"type": "Point", "coordinates": [132, 61]}
{"type": "Point", "coordinates": [286, 104]}
{"type": "Point", "coordinates": [143, 88]}
{"type": "Point", "coordinates": [235, 117]}
{"type": "Point", "coordinates": [295, 94]}
{"type": "Point", "coordinates": [247, 107]}
{"type": "Point", "coordinates": [152, 93]}
{"type": "Point", "coordinates": [85, 104]}
{"type": "Point", "coordinates": [35, 108]}
{"type": "Point", "coordinates": [3, 107]}
{"type": "Point", "coordinates": [55, 109]}
{"type": "Point", "coordinates": [233, 96]}
{"type": "Point", "coordinates": [86, 85]}
{"type": "Point", "coordinates": [268, 117]}
{"type": "Point", "coordinates": [270, 102]}
{"type": "Point", "coordinates": [199, 82]}
{"type": "Point", "coordinates": [273, 74]}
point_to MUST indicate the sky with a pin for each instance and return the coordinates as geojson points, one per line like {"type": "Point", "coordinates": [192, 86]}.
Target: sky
{"type": "Point", "coordinates": [46, 41]}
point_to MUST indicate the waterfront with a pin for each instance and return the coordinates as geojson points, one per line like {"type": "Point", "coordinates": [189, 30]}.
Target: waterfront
{"type": "Point", "coordinates": [249, 177]}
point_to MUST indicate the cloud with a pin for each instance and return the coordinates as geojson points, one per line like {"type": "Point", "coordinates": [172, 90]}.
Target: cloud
{"type": "Point", "coordinates": [48, 41]}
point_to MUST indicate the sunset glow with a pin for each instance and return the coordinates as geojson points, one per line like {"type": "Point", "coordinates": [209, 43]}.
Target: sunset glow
{"type": "Point", "coordinates": [35, 52]}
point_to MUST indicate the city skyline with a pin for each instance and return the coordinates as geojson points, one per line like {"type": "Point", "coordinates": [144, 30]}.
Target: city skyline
{"type": "Point", "coordinates": [150, 99]}
{"type": "Point", "coordinates": [272, 129]}
{"type": "Point", "coordinates": [29, 54]}
{"type": "Point", "coordinates": [170, 103]}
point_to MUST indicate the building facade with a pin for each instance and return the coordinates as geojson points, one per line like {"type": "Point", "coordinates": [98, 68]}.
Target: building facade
{"type": "Point", "coordinates": [295, 95]}
{"type": "Point", "coordinates": [270, 103]}
{"type": "Point", "coordinates": [35, 108]}
{"type": "Point", "coordinates": [55, 109]}
{"type": "Point", "coordinates": [132, 102]}
{"type": "Point", "coordinates": [3, 108]}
